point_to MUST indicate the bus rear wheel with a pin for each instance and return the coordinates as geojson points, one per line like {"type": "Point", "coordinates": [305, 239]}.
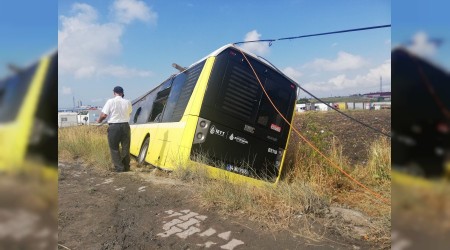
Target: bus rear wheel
{"type": "Point", "coordinates": [143, 152]}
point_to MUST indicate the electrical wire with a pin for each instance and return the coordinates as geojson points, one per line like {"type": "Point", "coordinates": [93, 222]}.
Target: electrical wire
{"type": "Point", "coordinates": [344, 114]}
{"type": "Point", "coordinates": [328, 105]}
{"type": "Point", "coordinates": [306, 91]}
{"type": "Point", "coordinates": [317, 34]}
{"type": "Point", "coordinates": [377, 195]}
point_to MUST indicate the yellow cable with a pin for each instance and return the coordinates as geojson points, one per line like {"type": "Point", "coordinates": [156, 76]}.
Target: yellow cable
{"type": "Point", "coordinates": [379, 196]}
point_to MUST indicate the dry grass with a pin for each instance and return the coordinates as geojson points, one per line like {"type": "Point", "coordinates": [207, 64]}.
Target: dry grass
{"type": "Point", "coordinates": [30, 188]}
{"type": "Point", "coordinates": [279, 207]}
{"type": "Point", "coordinates": [307, 193]}
{"type": "Point", "coordinates": [310, 168]}
{"type": "Point", "coordinates": [379, 164]}
{"type": "Point", "coordinates": [89, 143]}
{"type": "Point", "coordinates": [309, 188]}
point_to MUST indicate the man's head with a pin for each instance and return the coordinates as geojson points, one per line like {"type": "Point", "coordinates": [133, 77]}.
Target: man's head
{"type": "Point", "coordinates": [118, 91]}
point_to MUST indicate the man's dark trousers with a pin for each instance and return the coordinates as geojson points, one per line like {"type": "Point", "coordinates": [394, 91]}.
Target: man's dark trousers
{"type": "Point", "coordinates": [119, 133]}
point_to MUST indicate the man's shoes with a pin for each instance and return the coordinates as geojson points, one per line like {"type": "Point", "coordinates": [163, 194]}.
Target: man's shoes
{"type": "Point", "coordinates": [119, 170]}
{"type": "Point", "coordinates": [125, 169]}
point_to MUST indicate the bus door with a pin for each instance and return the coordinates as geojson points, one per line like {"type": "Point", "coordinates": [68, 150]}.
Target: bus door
{"type": "Point", "coordinates": [160, 136]}
{"type": "Point", "coordinates": [171, 128]}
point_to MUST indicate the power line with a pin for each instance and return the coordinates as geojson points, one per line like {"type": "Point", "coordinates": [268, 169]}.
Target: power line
{"type": "Point", "coordinates": [332, 163]}
{"type": "Point", "coordinates": [328, 105]}
{"type": "Point", "coordinates": [344, 114]}
{"type": "Point", "coordinates": [309, 93]}
{"type": "Point", "coordinates": [270, 41]}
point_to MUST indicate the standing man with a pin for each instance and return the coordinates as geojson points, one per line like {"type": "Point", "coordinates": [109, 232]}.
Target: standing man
{"type": "Point", "coordinates": [118, 109]}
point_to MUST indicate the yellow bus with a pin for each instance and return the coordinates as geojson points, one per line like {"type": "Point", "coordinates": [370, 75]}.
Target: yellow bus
{"type": "Point", "coordinates": [28, 102]}
{"type": "Point", "coordinates": [215, 113]}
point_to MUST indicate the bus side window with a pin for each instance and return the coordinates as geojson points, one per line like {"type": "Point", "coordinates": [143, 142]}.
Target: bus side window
{"type": "Point", "coordinates": [158, 105]}
{"type": "Point", "coordinates": [186, 88]}
{"type": "Point", "coordinates": [14, 92]}
{"type": "Point", "coordinates": [136, 115]}
{"type": "Point", "coordinates": [2, 95]}
{"type": "Point", "coordinates": [177, 85]}
{"type": "Point", "coordinates": [144, 106]}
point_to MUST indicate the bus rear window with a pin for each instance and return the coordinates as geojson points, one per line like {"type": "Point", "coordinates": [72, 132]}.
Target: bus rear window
{"type": "Point", "coordinates": [234, 97]}
{"type": "Point", "coordinates": [280, 93]}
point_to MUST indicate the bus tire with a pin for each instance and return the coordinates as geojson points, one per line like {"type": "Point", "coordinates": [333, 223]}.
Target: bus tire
{"type": "Point", "coordinates": [143, 151]}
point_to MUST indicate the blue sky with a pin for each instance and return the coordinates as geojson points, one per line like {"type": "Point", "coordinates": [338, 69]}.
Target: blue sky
{"type": "Point", "coordinates": [417, 23]}
{"type": "Point", "coordinates": [133, 43]}
{"type": "Point", "coordinates": [28, 30]}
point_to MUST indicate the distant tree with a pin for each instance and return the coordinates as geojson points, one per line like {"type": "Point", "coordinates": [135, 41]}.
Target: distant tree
{"type": "Point", "coordinates": [303, 101]}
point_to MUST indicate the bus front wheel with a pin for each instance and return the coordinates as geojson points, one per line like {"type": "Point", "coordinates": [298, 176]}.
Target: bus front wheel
{"type": "Point", "coordinates": [143, 152]}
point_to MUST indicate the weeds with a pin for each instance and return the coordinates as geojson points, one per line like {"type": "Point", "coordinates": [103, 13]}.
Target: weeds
{"type": "Point", "coordinates": [276, 206]}
{"type": "Point", "coordinates": [87, 142]}
{"type": "Point", "coordinates": [309, 188]}
{"type": "Point", "coordinates": [379, 165]}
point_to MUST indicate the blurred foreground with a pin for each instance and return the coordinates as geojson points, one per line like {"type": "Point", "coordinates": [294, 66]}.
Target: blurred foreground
{"type": "Point", "coordinates": [28, 156]}
{"type": "Point", "coordinates": [420, 213]}
{"type": "Point", "coordinates": [28, 209]}
{"type": "Point", "coordinates": [420, 153]}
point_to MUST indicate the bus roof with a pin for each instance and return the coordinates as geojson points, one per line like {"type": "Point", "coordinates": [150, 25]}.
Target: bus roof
{"type": "Point", "coordinates": [215, 53]}
{"type": "Point", "coordinates": [221, 49]}
{"type": "Point", "coordinates": [27, 65]}
{"type": "Point", "coordinates": [258, 58]}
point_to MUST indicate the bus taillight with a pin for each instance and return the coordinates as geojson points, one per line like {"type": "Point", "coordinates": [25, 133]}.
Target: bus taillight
{"type": "Point", "coordinates": [202, 130]}
{"type": "Point", "coordinates": [279, 158]}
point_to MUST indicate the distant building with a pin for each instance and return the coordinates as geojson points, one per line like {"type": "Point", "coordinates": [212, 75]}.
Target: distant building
{"type": "Point", "coordinates": [321, 107]}
{"type": "Point", "coordinates": [67, 119]}
{"type": "Point", "coordinates": [381, 105]}
{"type": "Point", "coordinates": [379, 95]}
{"type": "Point", "coordinates": [84, 115]}
{"type": "Point", "coordinates": [340, 105]}
{"type": "Point", "coordinates": [311, 106]}
{"type": "Point", "coordinates": [300, 107]}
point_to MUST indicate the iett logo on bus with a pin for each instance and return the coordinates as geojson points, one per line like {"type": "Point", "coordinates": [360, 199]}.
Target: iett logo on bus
{"type": "Point", "coordinates": [216, 131]}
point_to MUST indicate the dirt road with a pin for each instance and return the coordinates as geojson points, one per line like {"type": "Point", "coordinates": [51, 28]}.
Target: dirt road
{"type": "Point", "coordinates": [134, 210]}
{"type": "Point", "coordinates": [28, 211]}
